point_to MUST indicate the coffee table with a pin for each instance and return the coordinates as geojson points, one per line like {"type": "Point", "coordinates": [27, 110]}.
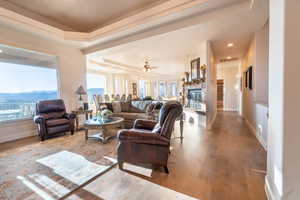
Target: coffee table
{"type": "Point", "coordinates": [103, 126]}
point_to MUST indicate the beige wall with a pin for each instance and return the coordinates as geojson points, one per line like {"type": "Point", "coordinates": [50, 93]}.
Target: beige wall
{"type": "Point", "coordinates": [211, 100]}
{"type": "Point", "coordinates": [71, 74]}
{"type": "Point", "coordinates": [254, 102]}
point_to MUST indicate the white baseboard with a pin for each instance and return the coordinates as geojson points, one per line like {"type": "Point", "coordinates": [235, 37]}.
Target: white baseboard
{"type": "Point", "coordinates": [269, 193]}
{"type": "Point", "coordinates": [210, 124]}
{"type": "Point", "coordinates": [254, 131]}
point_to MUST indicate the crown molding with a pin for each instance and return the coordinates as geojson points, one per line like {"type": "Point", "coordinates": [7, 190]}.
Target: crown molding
{"type": "Point", "coordinates": [145, 16]}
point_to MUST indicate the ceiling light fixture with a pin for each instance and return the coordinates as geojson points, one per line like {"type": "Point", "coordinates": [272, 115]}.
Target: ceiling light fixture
{"type": "Point", "coordinates": [1, 50]}
{"type": "Point", "coordinates": [229, 57]}
{"type": "Point", "coordinates": [230, 45]}
{"type": "Point", "coordinates": [147, 67]}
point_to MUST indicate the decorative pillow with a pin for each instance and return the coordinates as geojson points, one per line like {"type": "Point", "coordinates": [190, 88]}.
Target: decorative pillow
{"type": "Point", "coordinates": [158, 105]}
{"type": "Point", "coordinates": [103, 106]}
{"type": "Point", "coordinates": [157, 128]}
{"type": "Point", "coordinates": [109, 106]}
{"type": "Point", "coordinates": [137, 107]}
{"type": "Point", "coordinates": [150, 108]}
{"type": "Point", "coordinates": [125, 106]}
{"type": "Point", "coordinates": [116, 107]}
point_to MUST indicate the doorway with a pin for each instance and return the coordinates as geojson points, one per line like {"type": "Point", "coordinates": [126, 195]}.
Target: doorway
{"type": "Point", "coordinates": [220, 94]}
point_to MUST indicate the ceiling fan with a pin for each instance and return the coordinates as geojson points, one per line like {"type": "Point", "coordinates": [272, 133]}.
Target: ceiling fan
{"type": "Point", "coordinates": [147, 67]}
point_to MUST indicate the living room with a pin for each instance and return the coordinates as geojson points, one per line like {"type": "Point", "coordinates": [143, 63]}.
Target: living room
{"type": "Point", "coordinates": [106, 100]}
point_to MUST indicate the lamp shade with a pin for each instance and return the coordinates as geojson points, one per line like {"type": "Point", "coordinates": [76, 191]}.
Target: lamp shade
{"type": "Point", "coordinates": [80, 91]}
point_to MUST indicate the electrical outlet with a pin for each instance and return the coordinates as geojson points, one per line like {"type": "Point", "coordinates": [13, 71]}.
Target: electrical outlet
{"type": "Point", "coordinates": [260, 129]}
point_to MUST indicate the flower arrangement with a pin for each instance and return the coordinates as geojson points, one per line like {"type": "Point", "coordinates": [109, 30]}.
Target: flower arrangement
{"type": "Point", "coordinates": [106, 114]}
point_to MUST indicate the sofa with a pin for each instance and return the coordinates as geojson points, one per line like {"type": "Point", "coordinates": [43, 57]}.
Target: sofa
{"type": "Point", "coordinates": [133, 110]}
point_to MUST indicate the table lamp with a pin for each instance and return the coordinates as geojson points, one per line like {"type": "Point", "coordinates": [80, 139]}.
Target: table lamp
{"type": "Point", "coordinates": [80, 91]}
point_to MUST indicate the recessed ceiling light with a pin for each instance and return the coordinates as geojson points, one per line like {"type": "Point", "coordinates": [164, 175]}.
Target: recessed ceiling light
{"type": "Point", "coordinates": [1, 51]}
{"type": "Point", "coordinates": [230, 45]}
{"type": "Point", "coordinates": [229, 57]}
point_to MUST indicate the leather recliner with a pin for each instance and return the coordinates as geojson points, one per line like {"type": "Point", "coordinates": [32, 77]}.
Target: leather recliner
{"type": "Point", "coordinates": [149, 141]}
{"type": "Point", "coordinates": [52, 118]}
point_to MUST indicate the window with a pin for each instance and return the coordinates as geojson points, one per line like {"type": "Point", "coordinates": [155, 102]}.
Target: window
{"type": "Point", "coordinates": [155, 89]}
{"type": "Point", "coordinates": [162, 89]}
{"type": "Point", "coordinates": [142, 88]}
{"type": "Point", "coordinates": [117, 85]}
{"type": "Point", "coordinates": [21, 86]}
{"type": "Point", "coordinates": [95, 86]}
{"type": "Point", "coordinates": [173, 89]}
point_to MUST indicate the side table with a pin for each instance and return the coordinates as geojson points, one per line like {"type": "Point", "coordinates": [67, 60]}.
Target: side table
{"type": "Point", "coordinates": [88, 115]}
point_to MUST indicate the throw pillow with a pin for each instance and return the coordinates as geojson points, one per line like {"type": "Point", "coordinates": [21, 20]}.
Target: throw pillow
{"type": "Point", "coordinates": [125, 106]}
{"type": "Point", "coordinates": [116, 107]}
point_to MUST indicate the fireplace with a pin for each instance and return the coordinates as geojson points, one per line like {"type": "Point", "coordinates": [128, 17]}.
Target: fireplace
{"type": "Point", "coordinates": [195, 99]}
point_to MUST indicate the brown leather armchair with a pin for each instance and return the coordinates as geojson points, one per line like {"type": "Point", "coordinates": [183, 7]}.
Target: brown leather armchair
{"type": "Point", "coordinates": [51, 118]}
{"type": "Point", "coordinates": [149, 141]}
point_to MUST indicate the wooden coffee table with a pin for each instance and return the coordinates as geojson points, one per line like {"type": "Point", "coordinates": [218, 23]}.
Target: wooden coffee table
{"type": "Point", "coordinates": [103, 126]}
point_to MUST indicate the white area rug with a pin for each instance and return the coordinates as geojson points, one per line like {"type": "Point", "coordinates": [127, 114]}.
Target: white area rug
{"type": "Point", "coordinates": [73, 167]}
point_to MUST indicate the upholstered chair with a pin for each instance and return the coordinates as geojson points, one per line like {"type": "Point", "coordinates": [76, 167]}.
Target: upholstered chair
{"type": "Point", "coordinates": [98, 99]}
{"type": "Point", "coordinates": [51, 118]}
{"type": "Point", "coordinates": [129, 98]}
{"type": "Point", "coordinates": [106, 98]}
{"type": "Point", "coordinates": [123, 98]}
{"type": "Point", "coordinates": [149, 141]}
{"type": "Point", "coordinates": [117, 98]}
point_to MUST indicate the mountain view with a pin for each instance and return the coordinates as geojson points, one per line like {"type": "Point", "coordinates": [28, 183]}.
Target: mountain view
{"type": "Point", "coordinates": [22, 105]}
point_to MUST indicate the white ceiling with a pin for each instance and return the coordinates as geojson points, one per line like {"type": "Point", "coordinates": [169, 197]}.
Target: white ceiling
{"type": "Point", "coordinates": [171, 51]}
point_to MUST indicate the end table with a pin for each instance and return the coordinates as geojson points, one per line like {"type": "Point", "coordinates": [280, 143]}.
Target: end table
{"type": "Point", "coordinates": [88, 115]}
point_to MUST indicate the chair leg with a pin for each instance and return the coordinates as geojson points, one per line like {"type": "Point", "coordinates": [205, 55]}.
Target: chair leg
{"type": "Point", "coordinates": [166, 169]}
{"type": "Point", "coordinates": [72, 132]}
{"type": "Point", "coordinates": [121, 165]}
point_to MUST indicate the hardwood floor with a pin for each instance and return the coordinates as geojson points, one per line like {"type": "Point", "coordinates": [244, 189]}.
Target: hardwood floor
{"type": "Point", "coordinates": [225, 163]}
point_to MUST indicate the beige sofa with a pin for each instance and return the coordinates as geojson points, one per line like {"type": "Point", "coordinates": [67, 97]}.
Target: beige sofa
{"type": "Point", "coordinates": [133, 110]}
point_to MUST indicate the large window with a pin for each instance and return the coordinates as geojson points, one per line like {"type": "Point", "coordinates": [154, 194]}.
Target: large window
{"type": "Point", "coordinates": [173, 89]}
{"type": "Point", "coordinates": [143, 88]}
{"type": "Point", "coordinates": [95, 85]}
{"type": "Point", "coordinates": [21, 86]}
{"type": "Point", "coordinates": [162, 89]}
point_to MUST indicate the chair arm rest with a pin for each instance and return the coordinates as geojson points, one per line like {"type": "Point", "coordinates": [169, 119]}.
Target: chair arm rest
{"type": "Point", "coordinates": [144, 124]}
{"type": "Point", "coordinates": [39, 119]}
{"type": "Point", "coordinates": [142, 137]}
{"type": "Point", "coordinates": [69, 116]}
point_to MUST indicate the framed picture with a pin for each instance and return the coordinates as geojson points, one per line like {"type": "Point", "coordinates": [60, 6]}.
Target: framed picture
{"type": "Point", "coordinates": [134, 89]}
{"type": "Point", "coordinates": [195, 69]}
{"type": "Point", "coordinates": [250, 77]}
{"type": "Point", "coordinates": [246, 79]}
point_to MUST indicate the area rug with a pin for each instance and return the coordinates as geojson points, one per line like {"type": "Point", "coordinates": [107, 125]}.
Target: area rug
{"type": "Point", "coordinates": [52, 169]}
